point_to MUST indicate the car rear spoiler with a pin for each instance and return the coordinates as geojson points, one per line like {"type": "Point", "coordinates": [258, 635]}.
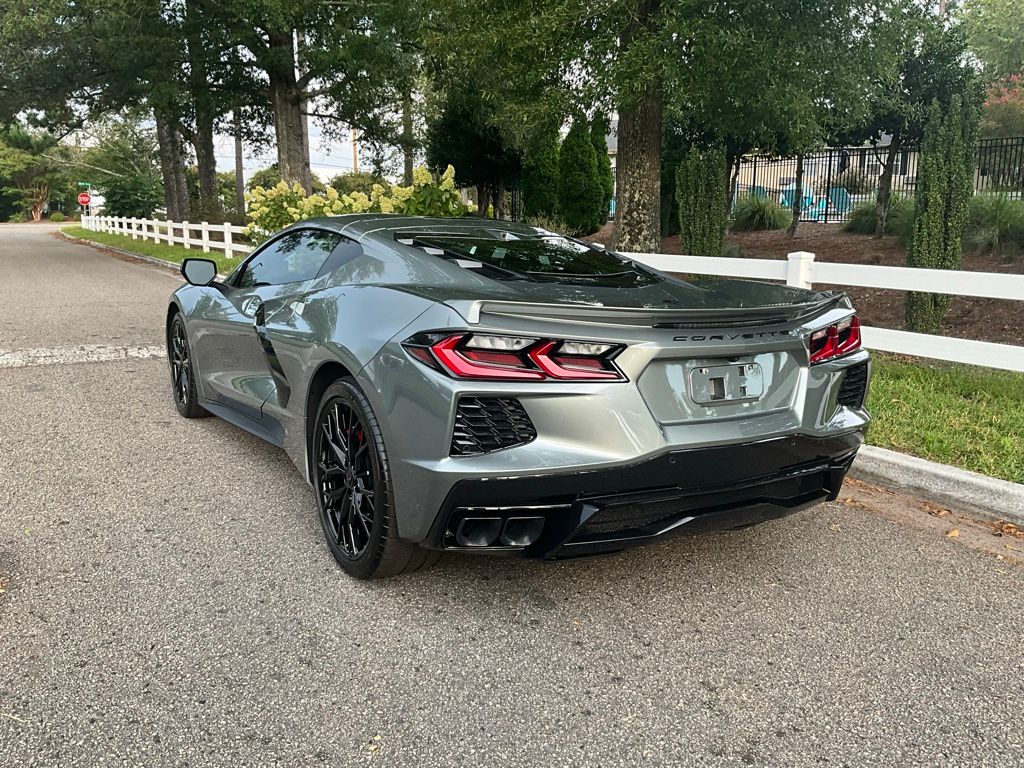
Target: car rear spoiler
{"type": "Point", "coordinates": [475, 311]}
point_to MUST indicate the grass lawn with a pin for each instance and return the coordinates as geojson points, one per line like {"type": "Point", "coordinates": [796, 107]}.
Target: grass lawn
{"type": "Point", "coordinates": [173, 253]}
{"type": "Point", "coordinates": [961, 415]}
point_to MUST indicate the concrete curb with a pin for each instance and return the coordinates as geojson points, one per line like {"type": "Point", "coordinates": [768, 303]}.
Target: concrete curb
{"type": "Point", "coordinates": [169, 265]}
{"type": "Point", "coordinates": [950, 486]}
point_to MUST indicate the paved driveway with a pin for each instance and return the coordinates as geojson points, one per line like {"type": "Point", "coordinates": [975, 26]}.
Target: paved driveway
{"type": "Point", "coordinates": [168, 601]}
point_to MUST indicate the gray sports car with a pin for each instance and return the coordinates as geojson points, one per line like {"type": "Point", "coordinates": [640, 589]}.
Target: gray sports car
{"type": "Point", "coordinates": [482, 386]}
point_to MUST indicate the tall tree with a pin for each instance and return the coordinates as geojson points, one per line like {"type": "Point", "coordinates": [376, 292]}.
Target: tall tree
{"type": "Point", "coordinates": [540, 178]}
{"type": "Point", "coordinates": [995, 32]}
{"type": "Point", "coordinates": [599, 138]}
{"type": "Point", "coordinates": [580, 191]}
{"type": "Point", "coordinates": [466, 137]}
{"type": "Point", "coordinates": [646, 57]}
{"type": "Point", "coordinates": [701, 197]}
{"type": "Point", "coordinates": [945, 185]}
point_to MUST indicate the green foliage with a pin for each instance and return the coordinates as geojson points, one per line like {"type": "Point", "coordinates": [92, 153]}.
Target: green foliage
{"type": "Point", "coordinates": [700, 194]}
{"type": "Point", "coordinates": [599, 138]}
{"type": "Point", "coordinates": [466, 135]}
{"type": "Point", "coordinates": [854, 180]}
{"type": "Point", "coordinates": [271, 176]}
{"type": "Point", "coordinates": [945, 185]}
{"type": "Point", "coordinates": [540, 180]}
{"type": "Point", "coordinates": [995, 224]}
{"type": "Point", "coordinates": [362, 181]}
{"type": "Point", "coordinates": [275, 208]}
{"type": "Point", "coordinates": [753, 213]}
{"type": "Point", "coordinates": [173, 253]}
{"type": "Point", "coordinates": [864, 216]}
{"type": "Point", "coordinates": [1002, 116]}
{"type": "Point", "coordinates": [32, 167]}
{"type": "Point", "coordinates": [580, 192]}
{"type": "Point", "coordinates": [16, 218]}
{"type": "Point", "coordinates": [995, 30]}
{"type": "Point", "coordinates": [555, 224]}
{"type": "Point", "coordinates": [962, 415]}
{"type": "Point", "coordinates": [134, 194]}
{"type": "Point", "coordinates": [56, 217]}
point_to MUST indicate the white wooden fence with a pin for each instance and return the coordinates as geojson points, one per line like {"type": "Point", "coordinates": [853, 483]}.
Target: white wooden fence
{"type": "Point", "coordinates": [800, 269]}
{"type": "Point", "coordinates": [212, 237]}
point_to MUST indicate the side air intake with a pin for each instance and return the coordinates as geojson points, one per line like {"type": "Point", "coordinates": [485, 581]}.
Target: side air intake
{"type": "Point", "coordinates": [485, 424]}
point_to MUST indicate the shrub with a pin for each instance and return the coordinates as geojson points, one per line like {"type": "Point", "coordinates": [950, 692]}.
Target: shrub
{"type": "Point", "coordinates": [57, 217]}
{"type": "Point", "coordinates": [132, 195]}
{"type": "Point", "coordinates": [555, 224]}
{"type": "Point", "coordinates": [855, 181]}
{"type": "Point", "coordinates": [275, 208]}
{"type": "Point", "coordinates": [995, 224]}
{"type": "Point", "coordinates": [16, 218]}
{"type": "Point", "coordinates": [700, 195]}
{"type": "Point", "coordinates": [599, 138]}
{"type": "Point", "coordinates": [752, 213]}
{"type": "Point", "coordinates": [361, 181]}
{"type": "Point", "coordinates": [732, 250]}
{"type": "Point", "coordinates": [863, 217]}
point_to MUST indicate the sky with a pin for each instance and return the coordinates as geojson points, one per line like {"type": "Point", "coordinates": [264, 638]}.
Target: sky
{"type": "Point", "coordinates": [327, 158]}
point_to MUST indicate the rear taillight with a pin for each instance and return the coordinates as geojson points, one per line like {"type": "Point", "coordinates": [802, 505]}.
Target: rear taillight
{"type": "Point", "coordinates": [835, 341]}
{"type": "Point", "coordinates": [515, 358]}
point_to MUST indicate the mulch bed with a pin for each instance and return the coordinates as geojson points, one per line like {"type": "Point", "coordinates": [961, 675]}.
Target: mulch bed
{"type": "Point", "coordinates": [994, 320]}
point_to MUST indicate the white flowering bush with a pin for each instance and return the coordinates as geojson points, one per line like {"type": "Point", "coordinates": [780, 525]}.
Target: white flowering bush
{"type": "Point", "coordinates": [275, 208]}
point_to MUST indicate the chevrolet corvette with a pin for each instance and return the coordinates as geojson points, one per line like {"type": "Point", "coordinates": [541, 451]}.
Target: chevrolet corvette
{"type": "Point", "coordinates": [484, 386]}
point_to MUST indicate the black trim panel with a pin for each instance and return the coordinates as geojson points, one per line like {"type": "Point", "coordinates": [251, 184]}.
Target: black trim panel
{"type": "Point", "coordinates": [690, 491]}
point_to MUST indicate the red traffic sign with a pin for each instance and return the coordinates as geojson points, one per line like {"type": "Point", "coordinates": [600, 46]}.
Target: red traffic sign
{"type": "Point", "coordinates": [84, 198]}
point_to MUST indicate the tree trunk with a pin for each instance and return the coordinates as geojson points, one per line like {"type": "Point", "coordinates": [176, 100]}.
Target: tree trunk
{"type": "Point", "coordinates": [885, 188]}
{"type": "Point", "coordinates": [408, 140]}
{"type": "Point", "coordinates": [638, 169]}
{"type": "Point", "coordinates": [798, 195]}
{"type": "Point", "coordinates": [172, 167]}
{"type": "Point", "coordinates": [483, 200]}
{"type": "Point", "coordinates": [206, 160]}
{"type": "Point", "coordinates": [638, 174]}
{"type": "Point", "coordinates": [732, 172]}
{"type": "Point", "coordinates": [239, 167]}
{"type": "Point", "coordinates": [499, 200]}
{"type": "Point", "coordinates": [286, 102]}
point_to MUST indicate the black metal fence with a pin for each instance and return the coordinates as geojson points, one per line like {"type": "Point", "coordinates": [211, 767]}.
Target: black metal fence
{"type": "Point", "coordinates": [836, 180]}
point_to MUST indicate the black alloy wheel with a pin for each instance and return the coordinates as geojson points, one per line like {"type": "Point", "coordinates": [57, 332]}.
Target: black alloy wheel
{"type": "Point", "coordinates": [183, 384]}
{"type": "Point", "coordinates": [352, 481]}
{"type": "Point", "coordinates": [347, 478]}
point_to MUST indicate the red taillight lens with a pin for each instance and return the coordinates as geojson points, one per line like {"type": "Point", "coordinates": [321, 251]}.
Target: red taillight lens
{"type": "Point", "coordinates": [513, 358]}
{"type": "Point", "coordinates": [571, 367]}
{"type": "Point", "coordinates": [836, 340]}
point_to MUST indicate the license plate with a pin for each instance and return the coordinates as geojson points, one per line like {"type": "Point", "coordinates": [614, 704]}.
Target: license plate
{"type": "Point", "coordinates": [731, 383]}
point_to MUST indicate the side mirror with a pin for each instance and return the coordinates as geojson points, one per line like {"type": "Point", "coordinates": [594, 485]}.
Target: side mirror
{"type": "Point", "coordinates": [199, 271]}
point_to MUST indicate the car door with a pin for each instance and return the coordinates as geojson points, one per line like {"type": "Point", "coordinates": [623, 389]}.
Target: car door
{"type": "Point", "coordinates": [234, 357]}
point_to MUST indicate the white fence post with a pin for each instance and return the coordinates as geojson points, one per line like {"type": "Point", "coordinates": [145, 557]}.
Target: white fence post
{"type": "Point", "coordinates": [186, 235]}
{"type": "Point", "coordinates": [133, 221]}
{"type": "Point", "coordinates": [206, 236]}
{"type": "Point", "coordinates": [228, 250]}
{"type": "Point", "coordinates": [170, 233]}
{"type": "Point", "coordinates": [800, 273]}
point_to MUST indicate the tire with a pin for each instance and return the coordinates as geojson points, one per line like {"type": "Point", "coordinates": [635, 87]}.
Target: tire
{"type": "Point", "coordinates": [183, 380]}
{"type": "Point", "coordinates": [352, 483]}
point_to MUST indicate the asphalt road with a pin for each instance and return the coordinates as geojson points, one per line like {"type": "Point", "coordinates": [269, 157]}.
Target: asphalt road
{"type": "Point", "coordinates": [167, 600]}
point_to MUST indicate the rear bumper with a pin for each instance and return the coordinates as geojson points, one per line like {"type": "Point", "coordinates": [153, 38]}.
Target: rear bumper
{"type": "Point", "coordinates": [687, 491]}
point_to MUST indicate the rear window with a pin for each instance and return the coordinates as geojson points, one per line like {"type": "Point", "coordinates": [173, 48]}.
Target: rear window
{"type": "Point", "coordinates": [551, 259]}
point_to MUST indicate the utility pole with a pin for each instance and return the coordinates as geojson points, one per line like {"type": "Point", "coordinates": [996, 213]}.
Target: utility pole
{"type": "Point", "coordinates": [355, 152]}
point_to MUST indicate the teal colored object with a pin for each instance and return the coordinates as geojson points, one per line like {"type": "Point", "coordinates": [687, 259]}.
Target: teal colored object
{"type": "Point", "coordinates": [840, 200]}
